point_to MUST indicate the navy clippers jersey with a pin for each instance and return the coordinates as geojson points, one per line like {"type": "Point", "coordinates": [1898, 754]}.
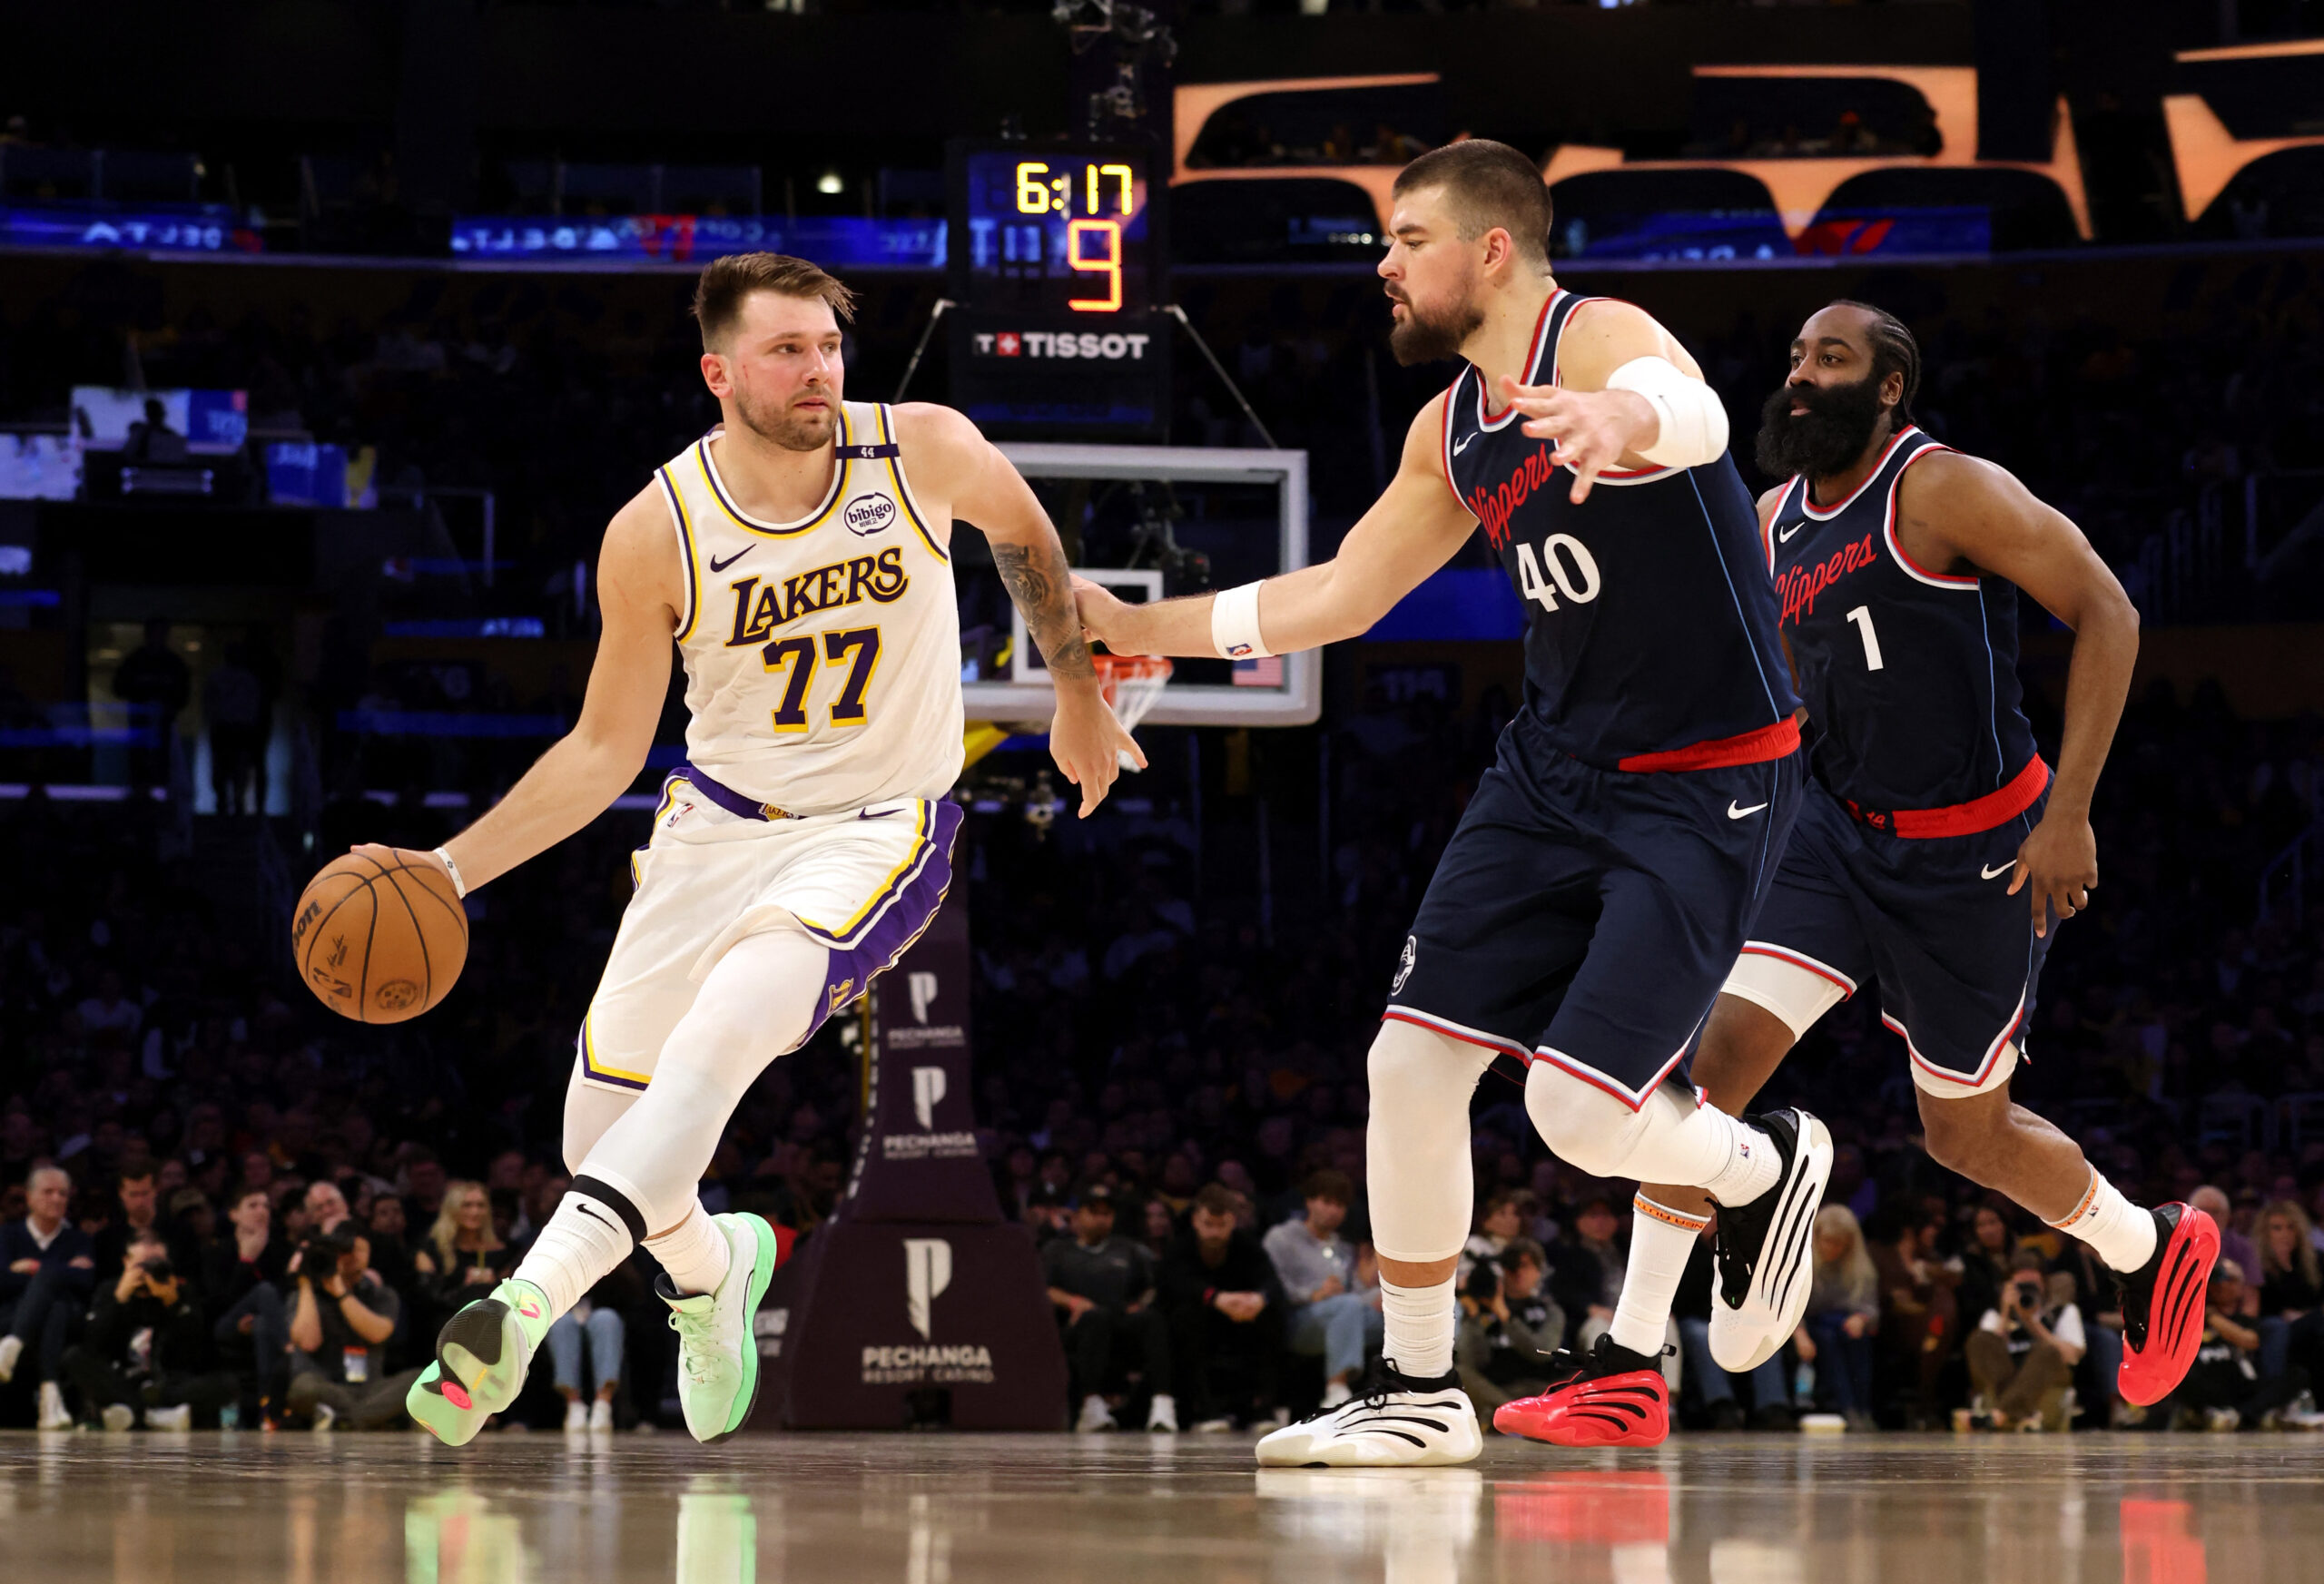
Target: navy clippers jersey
{"type": "Point", "coordinates": [1911, 675]}
{"type": "Point", "coordinates": [1650, 629]}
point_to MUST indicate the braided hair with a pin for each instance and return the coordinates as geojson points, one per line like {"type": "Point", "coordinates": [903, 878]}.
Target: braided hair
{"type": "Point", "coordinates": [1894, 351]}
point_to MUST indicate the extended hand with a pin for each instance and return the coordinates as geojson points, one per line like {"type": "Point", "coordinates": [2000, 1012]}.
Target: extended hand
{"type": "Point", "coordinates": [1593, 428]}
{"type": "Point", "coordinates": [1088, 743]}
{"type": "Point", "coordinates": [2058, 865]}
{"type": "Point", "coordinates": [1104, 618]}
{"type": "Point", "coordinates": [412, 857]}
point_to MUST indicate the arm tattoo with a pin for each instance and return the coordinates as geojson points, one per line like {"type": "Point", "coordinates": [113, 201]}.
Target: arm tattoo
{"type": "Point", "coordinates": [1041, 587]}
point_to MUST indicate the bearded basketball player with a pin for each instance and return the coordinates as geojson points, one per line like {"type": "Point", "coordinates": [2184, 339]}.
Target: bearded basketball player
{"type": "Point", "coordinates": [1597, 888]}
{"type": "Point", "coordinates": [799, 555]}
{"type": "Point", "coordinates": [1936, 853]}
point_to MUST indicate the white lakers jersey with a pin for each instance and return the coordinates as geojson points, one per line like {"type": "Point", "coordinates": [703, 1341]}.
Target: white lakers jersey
{"type": "Point", "coordinates": [823, 656]}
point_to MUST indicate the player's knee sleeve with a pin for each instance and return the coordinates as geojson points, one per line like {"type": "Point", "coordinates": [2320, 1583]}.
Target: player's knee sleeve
{"type": "Point", "coordinates": [1586, 1127]}
{"type": "Point", "coordinates": [1417, 1147]}
{"type": "Point", "coordinates": [589, 1110]}
{"type": "Point", "coordinates": [756, 1004]}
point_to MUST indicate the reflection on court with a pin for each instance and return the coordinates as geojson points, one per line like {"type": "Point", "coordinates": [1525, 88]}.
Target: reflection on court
{"type": "Point", "coordinates": [1031, 1510]}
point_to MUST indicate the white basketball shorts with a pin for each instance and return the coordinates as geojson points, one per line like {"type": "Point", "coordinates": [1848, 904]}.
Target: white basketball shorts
{"type": "Point", "coordinates": [865, 882]}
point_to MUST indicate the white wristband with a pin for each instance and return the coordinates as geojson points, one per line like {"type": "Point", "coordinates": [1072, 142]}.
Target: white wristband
{"type": "Point", "coordinates": [459, 886]}
{"type": "Point", "coordinates": [1694, 423]}
{"type": "Point", "coordinates": [1235, 624]}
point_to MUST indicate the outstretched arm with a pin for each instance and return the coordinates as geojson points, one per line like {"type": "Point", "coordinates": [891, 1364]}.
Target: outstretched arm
{"type": "Point", "coordinates": [1954, 508]}
{"type": "Point", "coordinates": [986, 492]}
{"type": "Point", "coordinates": [1411, 531]}
{"type": "Point", "coordinates": [1627, 395]}
{"type": "Point", "coordinates": [640, 591]}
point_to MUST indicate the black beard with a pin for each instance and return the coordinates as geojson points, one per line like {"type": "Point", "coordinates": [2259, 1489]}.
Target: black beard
{"type": "Point", "coordinates": [1835, 431]}
{"type": "Point", "coordinates": [1416, 340]}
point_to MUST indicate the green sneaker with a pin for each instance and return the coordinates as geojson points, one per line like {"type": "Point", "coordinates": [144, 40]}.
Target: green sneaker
{"type": "Point", "coordinates": [481, 1357]}
{"type": "Point", "coordinates": [718, 1357]}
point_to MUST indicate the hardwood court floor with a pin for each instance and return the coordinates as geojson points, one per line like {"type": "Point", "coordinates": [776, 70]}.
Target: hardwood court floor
{"type": "Point", "coordinates": [204, 1509]}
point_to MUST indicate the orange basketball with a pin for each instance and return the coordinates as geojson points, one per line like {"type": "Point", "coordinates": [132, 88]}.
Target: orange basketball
{"type": "Point", "coordinates": [379, 942]}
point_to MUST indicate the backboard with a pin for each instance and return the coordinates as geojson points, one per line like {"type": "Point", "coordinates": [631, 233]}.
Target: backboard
{"type": "Point", "coordinates": [1152, 522]}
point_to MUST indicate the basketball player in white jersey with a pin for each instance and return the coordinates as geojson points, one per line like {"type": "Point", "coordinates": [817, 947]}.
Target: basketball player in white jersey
{"type": "Point", "coordinates": [799, 555]}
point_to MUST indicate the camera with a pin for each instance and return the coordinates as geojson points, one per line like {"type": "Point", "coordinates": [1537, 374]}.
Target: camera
{"type": "Point", "coordinates": [160, 1270]}
{"type": "Point", "coordinates": [2029, 1294]}
{"type": "Point", "coordinates": [1485, 1281]}
{"type": "Point", "coordinates": [319, 1254]}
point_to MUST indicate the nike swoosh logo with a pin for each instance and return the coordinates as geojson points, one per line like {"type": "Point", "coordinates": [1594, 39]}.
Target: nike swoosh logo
{"type": "Point", "coordinates": [1734, 812]}
{"type": "Point", "coordinates": [882, 814]}
{"type": "Point", "coordinates": [1998, 873]}
{"type": "Point", "coordinates": [1783, 536]}
{"type": "Point", "coordinates": [1464, 444]}
{"type": "Point", "coordinates": [718, 565]}
{"type": "Point", "coordinates": [583, 1207]}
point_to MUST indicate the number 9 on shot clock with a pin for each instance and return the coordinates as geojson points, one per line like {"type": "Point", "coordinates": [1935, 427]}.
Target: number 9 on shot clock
{"type": "Point", "coordinates": [1056, 256]}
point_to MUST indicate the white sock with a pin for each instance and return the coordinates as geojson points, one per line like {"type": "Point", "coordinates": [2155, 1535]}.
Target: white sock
{"type": "Point", "coordinates": [1416, 1327]}
{"type": "Point", "coordinates": [694, 1252]}
{"type": "Point", "coordinates": [1753, 1164]}
{"type": "Point", "coordinates": [583, 1242]}
{"type": "Point", "coordinates": [1661, 1240]}
{"type": "Point", "coordinates": [2121, 1233]}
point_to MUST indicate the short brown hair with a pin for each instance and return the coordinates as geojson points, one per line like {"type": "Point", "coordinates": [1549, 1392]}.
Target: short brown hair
{"type": "Point", "coordinates": [1215, 1199]}
{"type": "Point", "coordinates": [726, 283]}
{"type": "Point", "coordinates": [1488, 184]}
{"type": "Point", "coordinates": [1331, 1183]}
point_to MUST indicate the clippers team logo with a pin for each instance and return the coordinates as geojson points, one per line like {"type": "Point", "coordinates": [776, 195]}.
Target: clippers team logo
{"type": "Point", "coordinates": [1798, 585]}
{"type": "Point", "coordinates": [928, 1271]}
{"type": "Point", "coordinates": [1405, 965]}
{"type": "Point", "coordinates": [872, 514]}
{"type": "Point", "coordinates": [927, 1090]}
{"type": "Point", "coordinates": [1495, 505]}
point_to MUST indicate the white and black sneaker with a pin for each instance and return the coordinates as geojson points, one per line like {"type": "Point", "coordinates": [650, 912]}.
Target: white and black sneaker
{"type": "Point", "coordinates": [1765, 1250]}
{"type": "Point", "coordinates": [1397, 1422]}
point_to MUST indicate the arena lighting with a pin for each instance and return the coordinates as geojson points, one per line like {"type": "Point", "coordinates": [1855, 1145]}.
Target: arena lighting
{"type": "Point", "coordinates": [1801, 187]}
{"type": "Point", "coordinates": [830, 185]}
{"type": "Point", "coordinates": [1193, 103]}
{"type": "Point", "coordinates": [2208, 156]}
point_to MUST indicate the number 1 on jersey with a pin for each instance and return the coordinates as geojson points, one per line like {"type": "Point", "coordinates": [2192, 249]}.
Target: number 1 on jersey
{"type": "Point", "coordinates": [1862, 617]}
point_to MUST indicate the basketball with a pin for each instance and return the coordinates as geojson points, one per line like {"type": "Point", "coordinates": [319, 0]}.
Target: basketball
{"type": "Point", "coordinates": [379, 943]}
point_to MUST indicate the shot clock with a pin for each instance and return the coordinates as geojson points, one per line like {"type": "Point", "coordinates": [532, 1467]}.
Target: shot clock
{"type": "Point", "coordinates": [1056, 256]}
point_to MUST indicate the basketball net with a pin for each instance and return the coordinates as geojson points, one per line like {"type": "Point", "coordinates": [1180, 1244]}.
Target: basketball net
{"type": "Point", "coordinates": [1131, 683]}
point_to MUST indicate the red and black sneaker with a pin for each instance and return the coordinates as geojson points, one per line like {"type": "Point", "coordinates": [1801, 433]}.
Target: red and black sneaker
{"type": "Point", "coordinates": [2162, 1304]}
{"type": "Point", "coordinates": [1608, 1397]}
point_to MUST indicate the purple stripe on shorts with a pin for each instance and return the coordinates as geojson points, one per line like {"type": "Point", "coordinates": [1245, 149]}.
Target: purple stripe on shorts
{"type": "Point", "coordinates": [901, 922]}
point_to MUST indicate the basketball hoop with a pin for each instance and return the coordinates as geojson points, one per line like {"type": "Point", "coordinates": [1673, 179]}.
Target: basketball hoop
{"type": "Point", "coordinates": [1131, 683]}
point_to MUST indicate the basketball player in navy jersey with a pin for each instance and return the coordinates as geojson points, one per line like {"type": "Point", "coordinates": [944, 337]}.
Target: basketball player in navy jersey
{"type": "Point", "coordinates": [1597, 890]}
{"type": "Point", "coordinates": [1936, 852]}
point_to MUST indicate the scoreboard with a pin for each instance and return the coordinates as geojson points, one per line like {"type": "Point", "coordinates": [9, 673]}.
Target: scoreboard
{"type": "Point", "coordinates": [1057, 260]}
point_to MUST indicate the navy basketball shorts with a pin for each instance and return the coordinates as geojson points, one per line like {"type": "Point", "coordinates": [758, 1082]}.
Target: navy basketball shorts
{"type": "Point", "coordinates": [1587, 917]}
{"type": "Point", "coordinates": [1931, 921]}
